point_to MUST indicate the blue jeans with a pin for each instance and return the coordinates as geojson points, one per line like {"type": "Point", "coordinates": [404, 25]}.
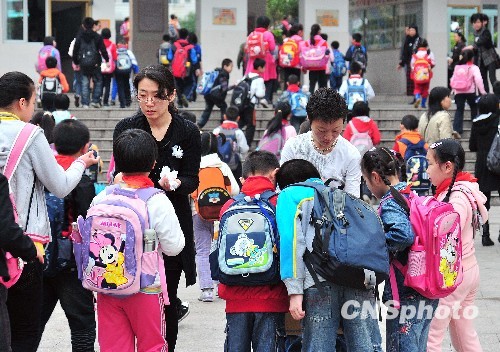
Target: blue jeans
{"type": "Point", "coordinates": [257, 332]}
{"type": "Point", "coordinates": [335, 82]}
{"type": "Point", "coordinates": [77, 82]}
{"type": "Point", "coordinates": [409, 334]}
{"type": "Point", "coordinates": [209, 106]}
{"type": "Point", "coordinates": [323, 314]}
{"type": "Point", "coordinates": [460, 99]}
{"type": "Point", "coordinates": [96, 77]}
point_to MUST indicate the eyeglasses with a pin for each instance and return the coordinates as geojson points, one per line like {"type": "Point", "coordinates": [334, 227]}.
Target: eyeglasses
{"type": "Point", "coordinates": [145, 99]}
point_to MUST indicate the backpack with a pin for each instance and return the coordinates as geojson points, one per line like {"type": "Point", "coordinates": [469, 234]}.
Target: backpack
{"type": "Point", "coordinates": [246, 250]}
{"type": "Point", "coordinates": [180, 61]}
{"type": "Point", "coordinates": [241, 93]}
{"type": "Point", "coordinates": [493, 157]}
{"type": "Point", "coordinates": [88, 56]}
{"type": "Point", "coordinates": [355, 93]}
{"type": "Point", "coordinates": [50, 86]}
{"type": "Point", "coordinates": [349, 246]}
{"type": "Point", "coordinates": [43, 54]}
{"type": "Point", "coordinates": [257, 46]}
{"type": "Point", "coordinates": [273, 143]}
{"type": "Point", "coordinates": [298, 102]}
{"type": "Point", "coordinates": [15, 265]}
{"type": "Point", "coordinates": [163, 56]}
{"type": "Point", "coordinates": [339, 68]}
{"type": "Point", "coordinates": [421, 72]}
{"type": "Point", "coordinates": [207, 82]}
{"type": "Point", "coordinates": [314, 56]}
{"type": "Point", "coordinates": [123, 61]}
{"type": "Point", "coordinates": [112, 64]}
{"type": "Point", "coordinates": [416, 165]}
{"type": "Point", "coordinates": [434, 267]}
{"type": "Point", "coordinates": [289, 54]}
{"type": "Point", "coordinates": [461, 79]}
{"type": "Point", "coordinates": [229, 149]}
{"type": "Point", "coordinates": [212, 193]}
{"type": "Point", "coordinates": [361, 140]}
{"type": "Point", "coordinates": [359, 55]}
{"type": "Point", "coordinates": [172, 32]}
{"type": "Point", "coordinates": [115, 251]}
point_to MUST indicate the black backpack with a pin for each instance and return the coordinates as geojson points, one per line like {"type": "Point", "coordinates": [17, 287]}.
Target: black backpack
{"type": "Point", "coordinates": [359, 55]}
{"type": "Point", "coordinates": [241, 94]}
{"type": "Point", "coordinates": [88, 56]}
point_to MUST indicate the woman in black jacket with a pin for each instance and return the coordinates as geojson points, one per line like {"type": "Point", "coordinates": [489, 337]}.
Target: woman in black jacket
{"type": "Point", "coordinates": [179, 149]}
{"type": "Point", "coordinates": [409, 48]}
{"type": "Point", "coordinates": [484, 128]}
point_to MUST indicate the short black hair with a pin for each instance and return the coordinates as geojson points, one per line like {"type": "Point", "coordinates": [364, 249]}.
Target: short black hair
{"type": "Point", "coordinates": [135, 151]}
{"type": "Point", "coordinates": [70, 136]}
{"type": "Point", "coordinates": [173, 17]}
{"type": "Point", "coordinates": [48, 40]}
{"type": "Point", "coordinates": [183, 33]}
{"type": "Point", "coordinates": [357, 37]}
{"type": "Point", "coordinates": [61, 102]}
{"type": "Point", "coordinates": [423, 44]}
{"type": "Point", "coordinates": [51, 62]}
{"type": "Point", "coordinates": [410, 122]}
{"type": "Point", "coordinates": [360, 108]}
{"type": "Point", "coordinates": [187, 115]}
{"type": "Point", "coordinates": [259, 162]}
{"type": "Point", "coordinates": [209, 144]}
{"type": "Point", "coordinates": [324, 36]}
{"type": "Point", "coordinates": [262, 22]}
{"type": "Point", "coordinates": [226, 62]}
{"type": "Point", "coordinates": [166, 38]}
{"type": "Point", "coordinates": [326, 104]}
{"type": "Point", "coordinates": [88, 23]}
{"type": "Point", "coordinates": [232, 113]}
{"type": "Point", "coordinates": [335, 44]}
{"type": "Point", "coordinates": [475, 17]}
{"type": "Point", "coordinates": [259, 63]}
{"type": "Point", "coordinates": [106, 33]}
{"type": "Point", "coordinates": [293, 79]}
{"type": "Point", "coordinates": [355, 67]}
{"type": "Point", "coordinates": [45, 120]}
{"type": "Point", "coordinates": [295, 170]}
{"type": "Point", "coordinates": [487, 103]}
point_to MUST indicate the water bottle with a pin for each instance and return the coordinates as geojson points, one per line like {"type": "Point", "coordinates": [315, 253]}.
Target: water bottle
{"type": "Point", "coordinates": [216, 229]}
{"type": "Point", "coordinates": [149, 240]}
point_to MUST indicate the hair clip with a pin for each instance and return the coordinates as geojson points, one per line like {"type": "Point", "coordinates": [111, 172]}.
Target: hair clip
{"type": "Point", "coordinates": [435, 145]}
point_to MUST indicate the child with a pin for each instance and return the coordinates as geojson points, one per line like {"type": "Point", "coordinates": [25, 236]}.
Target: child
{"type": "Point", "coordinates": [277, 128]}
{"type": "Point", "coordinates": [204, 228]}
{"type": "Point", "coordinates": [362, 123]}
{"type": "Point", "coordinates": [381, 171]}
{"type": "Point", "coordinates": [60, 279]}
{"type": "Point", "coordinates": [320, 314]}
{"type": "Point", "coordinates": [108, 68]}
{"type": "Point", "coordinates": [135, 153]}
{"type": "Point", "coordinates": [255, 314]}
{"type": "Point", "coordinates": [484, 129]}
{"type": "Point", "coordinates": [163, 50]}
{"type": "Point", "coordinates": [356, 87]}
{"type": "Point", "coordinates": [232, 132]}
{"type": "Point", "coordinates": [125, 64]}
{"type": "Point", "coordinates": [357, 53]}
{"type": "Point", "coordinates": [421, 65]}
{"type": "Point", "coordinates": [61, 104]}
{"type": "Point", "coordinates": [338, 66]}
{"type": "Point", "coordinates": [446, 162]}
{"type": "Point", "coordinates": [49, 87]}
{"type": "Point", "coordinates": [297, 99]}
{"type": "Point", "coordinates": [48, 49]}
{"type": "Point", "coordinates": [409, 132]}
{"type": "Point", "coordinates": [217, 95]}
{"type": "Point", "coordinates": [435, 124]}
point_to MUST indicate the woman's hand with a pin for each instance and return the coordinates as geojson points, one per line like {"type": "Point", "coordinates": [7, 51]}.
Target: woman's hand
{"type": "Point", "coordinates": [296, 307]}
{"type": "Point", "coordinates": [118, 178]}
{"type": "Point", "coordinates": [166, 184]}
{"type": "Point", "coordinates": [89, 159]}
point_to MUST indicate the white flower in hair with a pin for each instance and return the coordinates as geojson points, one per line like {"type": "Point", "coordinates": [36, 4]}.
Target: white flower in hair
{"type": "Point", "coordinates": [177, 151]}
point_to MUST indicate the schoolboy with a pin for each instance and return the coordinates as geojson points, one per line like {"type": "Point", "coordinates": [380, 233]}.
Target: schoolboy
{"type": "Point", "coordinates": [60, 279]}
{"type": "Point", "coordinates": [231, 130]}
{"type": "Point", "coordinates": [321, 314]}
{"type": "Point", "coordinates": [217, 95]}
{"type": "Point", "coordinates": [421, 90]}
{"type": "Point", "coordinates": [293, 86]}
{"type": "Point", "coordinates": [255, 314]}
{"type": "Point", "coordinates": [348, 87]}
{"type": "Point", "coordinates": [409, 131]}
{"type": "Point", "coordinates": [336, 57]}
{"type": "Point", "coordinates": [357, 52]}
{"type": "Point", "coordinates": [61, 104]}
{"type": "Point", "coordinates": [52, 71]}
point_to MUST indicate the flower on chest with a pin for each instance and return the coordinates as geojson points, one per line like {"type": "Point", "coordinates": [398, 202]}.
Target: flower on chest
{"type": "Point", "coordinates": [177, 151]}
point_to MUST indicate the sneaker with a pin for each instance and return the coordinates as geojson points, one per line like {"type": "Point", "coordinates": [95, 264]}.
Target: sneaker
{"type": "Point", "coordinates": [417, 103]}
{"type": "Point", "coordinates": [207, 295]}
{"type": "Point", "coordinates": [112, 102]}
{"type": "Point", "coordinates": [85, 106]}
{"type": "Point", "coordinates": [77, 101]}
{"type": "Point", "coordinates": [96, 105]}
{"type": "Point", "coordinates": [264, 103]}
{"type": "Point", "coordinates": [456, 135]}
{"type": "Point", "coordinates": [182, 311]}
{"type": "Point", "coordinates": [184, 101]}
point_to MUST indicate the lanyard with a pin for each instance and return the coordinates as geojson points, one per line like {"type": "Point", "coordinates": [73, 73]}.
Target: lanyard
{"type": "Point", "coordinates": [7, 116]}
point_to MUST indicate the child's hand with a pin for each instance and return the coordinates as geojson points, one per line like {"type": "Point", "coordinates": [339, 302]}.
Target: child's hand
{"type": "Point", "coordinates": [296, 307]}
{"type": "Point", "coordinates": [89, 159]}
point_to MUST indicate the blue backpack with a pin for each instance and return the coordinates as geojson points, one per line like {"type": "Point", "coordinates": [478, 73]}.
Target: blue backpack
{"type": "Point", "coordinates": [416, 166]}
{"type": "Point", "coordinates": [298, 102]}
{"type": "Point", "coordinates": [355, 93]}
{"type": "Point", "coordinates": [349, 247]}
{"type": "Point", "coordinates": [245, 253]}
{"type": "Point", "coordinates": [207, 82]}
{"type": "Point", "coordinates": [339, 67]}
{"type": "Point", "coordinates": [228, 148]}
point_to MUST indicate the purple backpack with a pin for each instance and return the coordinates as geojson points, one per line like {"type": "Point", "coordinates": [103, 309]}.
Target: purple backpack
{"type": "Point", "coordinates": [116, 252]}
{"type": "Point", "coordinates": [273, 143]}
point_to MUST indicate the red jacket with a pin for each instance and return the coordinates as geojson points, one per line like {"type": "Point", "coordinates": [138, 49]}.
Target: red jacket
{"type": "Point", "coordinates": [255, 299]}
{"type": "Point", "coordinates": [109, 44]}
{"type": "Point", "coordinates": [363, 124]}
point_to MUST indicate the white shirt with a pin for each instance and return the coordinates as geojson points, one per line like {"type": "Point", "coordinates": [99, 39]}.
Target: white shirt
{"type": "Point", "coordinates": [257, 88]}
{"type": "Point", "coordinates": [356, 80]}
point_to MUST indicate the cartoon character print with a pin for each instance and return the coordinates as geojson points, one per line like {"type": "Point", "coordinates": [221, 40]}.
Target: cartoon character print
{"type": "Point", "coordinates": [413, 172]}
{"type": "Point", "coordinates": [448, 259]}
{"type": "Point", "coordinates": [104, 254]}
{"type": "Point", "coordinates": [245, 247]}
{"type": "Point", "coordinates": [214, 197]}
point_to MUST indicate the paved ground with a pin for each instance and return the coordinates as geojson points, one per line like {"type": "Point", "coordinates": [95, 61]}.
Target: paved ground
{"type": "Point", "coordinates": [203, 329]}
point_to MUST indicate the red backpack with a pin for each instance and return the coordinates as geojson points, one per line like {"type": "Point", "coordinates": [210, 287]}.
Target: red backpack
{"type": "Point", "coordinates": [289, 54]}
{"type": "Point", "coordinates": [108, 67]}
{"type": "Point", "coordinates": [256, 46]}
{"type": "Point", "coordinates": [421, 72]}
{"type": "Point", "coordinates": [181, 60]}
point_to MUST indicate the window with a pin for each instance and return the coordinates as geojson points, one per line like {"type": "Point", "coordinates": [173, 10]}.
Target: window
{"type": "Point", "coordinates": [25, 25]}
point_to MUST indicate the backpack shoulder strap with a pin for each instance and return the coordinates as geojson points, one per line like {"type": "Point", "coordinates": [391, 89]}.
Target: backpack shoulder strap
{"type": "Point", "coordinates": [353, 128]}
{"type": "Point", "coordinates": [146, 193]}
{"type": "Point", "coordinates": [18, 149]}
{"type": "Point", "coordinates": [405, 141]}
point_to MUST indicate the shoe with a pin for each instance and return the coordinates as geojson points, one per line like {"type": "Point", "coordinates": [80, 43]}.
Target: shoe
{"type": "Point", "coordinates": [417, 103]}
{"type": "Point", "coordinates": [112, 102]}
{"type": "Point", "coordinates": [264, 103]}
{"type": "Point", "coordinates": [77, 101]}
{"type": "Point", "coordinates": [486, 240]}
{"type": "Point", "coordinates": [207, 295]}
{"type": "Point", "coordinates": [456, 135]}
{"type": "Point", "coordinates": [412, 102]}
{"type": "Point", "coordinates": [105, 105]}
{"type": "Point", "coordinates": [182, 311]}
{"type": "Point", "coordinates": [96, 105]}
{"type": "Point", "coordinates": [184, 101]}
{"type": "Point", "coordinates": [85, 106]}
{"type": "Point", "coordinates": [498, 241]}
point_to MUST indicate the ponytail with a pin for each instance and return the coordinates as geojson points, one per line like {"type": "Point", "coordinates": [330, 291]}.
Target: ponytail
{"type": "Point", "coordinates": [456, 162]}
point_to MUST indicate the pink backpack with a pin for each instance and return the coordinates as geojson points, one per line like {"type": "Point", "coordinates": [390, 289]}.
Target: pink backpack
{"type": "Point", "coordinates": [273, 143]}
{"type": "Point", "coordinates": [361, 140]}
{"type": "Point", "coordinates": [256, 45]}
{"type": "Point", "coordinates": [434, 267]}
{"type": "Point", "coordinates": [15, 265]}
{"type": "Point", "coordinates": [42, 56]}
{"type": "Point", "coordinates": [314, 56]}
{"type": "Point", "coordinates": [115, 250]}
{"type": "Point", "coordinates": [462, 79]}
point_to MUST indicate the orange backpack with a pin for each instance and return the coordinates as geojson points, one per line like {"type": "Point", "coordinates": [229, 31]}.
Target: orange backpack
{"type": "Point", "coordinates": [212, 193]}
{"type": "Point", "coordinates": [421, 72]}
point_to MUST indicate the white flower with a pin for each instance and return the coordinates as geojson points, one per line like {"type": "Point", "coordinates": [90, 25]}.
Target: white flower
{"type": "Point", "coordinates": [177, 151]}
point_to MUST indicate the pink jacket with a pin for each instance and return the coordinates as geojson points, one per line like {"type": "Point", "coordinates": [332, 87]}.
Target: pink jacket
{"type": "Point", "coordinates": [270, 69]}
{"type": "Point", "coordinates": [475, 75]}
{"type": "Point", "coordinates": [462, 205]}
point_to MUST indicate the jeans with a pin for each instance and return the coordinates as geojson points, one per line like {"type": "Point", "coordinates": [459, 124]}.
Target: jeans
{"type": "Point", "coordinates": [77, 82]}
{"type": "Point", "coordinates": [122, 81]}
{"type": "Point", "coordinates": [106, 82]}
{"type": "Point", "coordinates": [319, 77]}
{"type": "Point", "coordinates": [491, 71]}
{"type": "Point", "coordinates": [323, 314]}
{"type": "Point", "coordinates": [25, 308]}
{"type": "Point", "coordinates": [335, 82]}
{"type": "Point", "coordinates": [296, 121]}
{"type": "Point", "coordinates": [183, 86]}
{"type": "Point", "coordinates": [209, 105]}
{"type": "Point", "coordinates": [203, 231]}
{"type": "Point", "coordinates": [248, 119]}
{"type": "Point", "coordinates": [96, 77]}
{"type": "Point", "coordinates": [4, 321]}
{"type": "Point", "coordinates": [191, 96]}
{"type": "Point", "coordinates": [458, 121]}
{"type": "Point", "coordinates": [257, 332]}
{"type": "Point", "coordinates": [269, 90]}
{"type": "Point", "coordinates": [78, 306]}
{"type": "Point", "coordinates": [410, 334]}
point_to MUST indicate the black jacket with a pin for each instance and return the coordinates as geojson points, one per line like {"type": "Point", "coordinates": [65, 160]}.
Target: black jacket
{"type": "Point", "coordinates": [186, 135]}
{"type": "Point", "coordinates": [409, 48]}
{"type": "Point", "coordinates": [12, 238]}
{"type": "Point", "coordinates": [88, 35]}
